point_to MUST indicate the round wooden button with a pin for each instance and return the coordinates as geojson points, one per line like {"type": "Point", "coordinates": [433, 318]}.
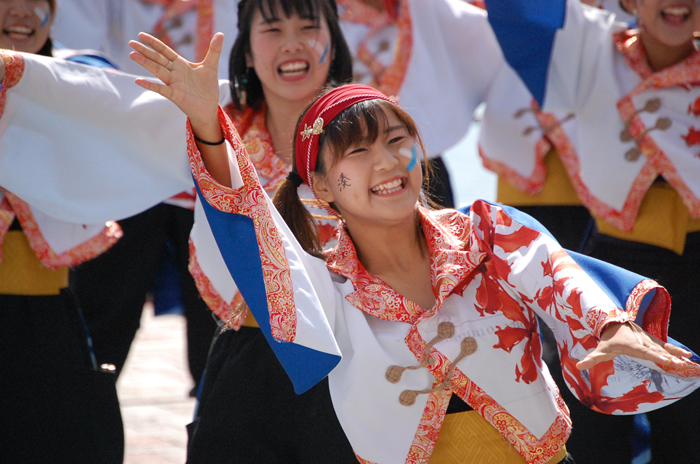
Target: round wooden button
{"type": "Point", "coordinates": [408, 398]}
{"type": "Point", "coordinates": [468, 346]}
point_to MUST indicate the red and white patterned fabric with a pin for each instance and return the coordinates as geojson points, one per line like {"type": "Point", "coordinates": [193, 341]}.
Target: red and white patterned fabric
{"type": "Point", "coordinates": [613, 156]}
{"type": "Point", "coordinates": [271, 172]}
{"type": "Point", "coordinates": [491, 277]}
{"type": "Point", "coordinates": [437, 57]}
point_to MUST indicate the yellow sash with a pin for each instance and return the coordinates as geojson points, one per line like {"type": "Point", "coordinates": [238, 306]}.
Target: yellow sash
{"type": "Point", "coordinates": [250, 320]}
{"type": "Point", "coordinates": [21, 272]}
{"type": "Point", "coordinates": [468, 438]}
{"type": "Point", "coordinates": [663, 220]}
{"type": "Point", "coordinates": [557, 189]}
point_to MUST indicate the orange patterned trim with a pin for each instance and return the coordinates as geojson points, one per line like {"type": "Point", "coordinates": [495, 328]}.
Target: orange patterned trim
{"type": "Point", "coordinates": [683, 74]}
{"type": "Point", "coordinates": [14, 70]}
{"type": "Point", "coordinates": [251, 202]}
{"type": "Point", "coordinates": [205, 28]}
{"type": "Point", "coordinates": [629, 44]}
{"type": "Point", "coordinates": [211, 297]}
{"type": "Point", "coordinates": [7, 216]}
{"type": "Point", "coordinates": [624, 219]}
{"type": "Point", "coordinates": [658, 311]}
{"type": "Point", "coordinates": [656, 159]}
{"type": "Point", "coordinates": [599, 317]}
{"type": "Point", "coordinates": [391, 78]}
{"type": "Point", "coordinates": [76, 255]}
{"type": "Point", "coordinates": [532, 184]}
{"type": "Point", "coordinates": [532, 449]}
{"type": "Point", "coordinates": [447, 234]}
{"type": "Point", "coordinates": [535, 182]}
{"type": "Point", "coordinates": [252, 127]}
{"type": "Point", "coordinates": [429, 427]}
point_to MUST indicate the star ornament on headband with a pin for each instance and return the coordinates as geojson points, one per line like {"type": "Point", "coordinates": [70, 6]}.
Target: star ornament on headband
{"type": "Point", "coordinates": [316, 129]}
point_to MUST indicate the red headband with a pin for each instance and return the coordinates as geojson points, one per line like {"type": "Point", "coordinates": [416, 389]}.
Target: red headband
{"type": "Point", "coordinates": [320, 114]}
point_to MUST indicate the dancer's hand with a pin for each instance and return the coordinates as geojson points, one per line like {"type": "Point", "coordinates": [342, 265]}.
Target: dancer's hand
{"type": "Point", "coordinates": [630, 340]}
{"type": "Point", "coordinates": [193, 87]}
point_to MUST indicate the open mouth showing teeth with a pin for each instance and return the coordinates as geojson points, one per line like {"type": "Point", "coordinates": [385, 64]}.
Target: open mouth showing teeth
{"type": "Point", "coordinates": [389, 187]}
{"type": "Point", "coordinates": [293, 69]}
{"type": "Point", "coordinates": [679, 13]}
{"type": "Point", "coordinates": [18, 31]}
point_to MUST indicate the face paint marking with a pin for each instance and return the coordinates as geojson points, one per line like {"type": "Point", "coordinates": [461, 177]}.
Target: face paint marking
{"type": "Point", "coordinates": [343, 181]}
{"type": "Point", "coordinates": [410, 154]}
{"type": "Point", "coordinates": [316, 46]}
{"type": "Point", "coordinates": [44, 15]}
{"type": "Point", "coordinates": [325, 52]}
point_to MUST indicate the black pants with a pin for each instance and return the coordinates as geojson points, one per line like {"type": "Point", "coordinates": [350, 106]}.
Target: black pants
{"type": "Point", "coordinates": [112, 288]}
{"type": "Point", "coordinates": [675, 428]}
{"type": "Point", "coordinates": [249, 413]}
{"type": "Point", "coordinates": [568, 224]}
{"type": "Point", "coordinates": [54, 406]}
{"type": "Point", "coordinates": [599, 438]}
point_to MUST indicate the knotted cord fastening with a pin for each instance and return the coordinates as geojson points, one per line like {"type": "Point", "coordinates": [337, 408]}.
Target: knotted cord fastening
{"type": "Point", "coordinates": [651, 106]}
{"type": "Point", "coordinates": [445, 330]}
{"type": "Point", "coordinates": [545, 130]}
{"type": "Point", "coordinates": [634, 153]}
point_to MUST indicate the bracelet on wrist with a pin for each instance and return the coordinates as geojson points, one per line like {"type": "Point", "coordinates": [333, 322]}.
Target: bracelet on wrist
{"type": "Point", "coordinates": [223, 139]}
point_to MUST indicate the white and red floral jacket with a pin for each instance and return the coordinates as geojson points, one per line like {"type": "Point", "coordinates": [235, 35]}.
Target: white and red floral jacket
{"type": "Point", "coordinates": [491, 277]}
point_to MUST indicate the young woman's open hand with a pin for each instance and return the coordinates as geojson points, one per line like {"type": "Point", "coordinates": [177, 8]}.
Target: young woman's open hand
{"type": "Point", "coordinates": [632, 341]}
{"type": "Point", "coordinates": [193, 87]}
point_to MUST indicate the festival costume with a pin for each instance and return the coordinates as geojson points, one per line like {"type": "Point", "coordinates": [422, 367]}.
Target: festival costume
{"type": "Point", "coordinates": [153, 255]}
{"type": "Point", "coordinates": [342, 320]}
{"type": "Point", "coordinates": [633, 165]}
{"type": "Point", "coordinates": [247, 402]}
{"type": "Point", "coordinates": [432, 57]}
{"type": "Point", "coordinates": [152, 151]}
{"type": "Point", "coordinates": [51, 391]}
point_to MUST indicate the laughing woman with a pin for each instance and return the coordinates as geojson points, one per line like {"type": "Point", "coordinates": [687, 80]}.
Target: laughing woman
{"type": "Point", "coordinates": [419, 316]}
{"type": "Point", "coordinates": [285, 53]}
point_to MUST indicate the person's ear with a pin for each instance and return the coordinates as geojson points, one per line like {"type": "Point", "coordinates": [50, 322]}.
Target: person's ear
{"type": "Point", "coordinates": [321, 187]}
{"type": "Point", "coordinates": [630, 6]}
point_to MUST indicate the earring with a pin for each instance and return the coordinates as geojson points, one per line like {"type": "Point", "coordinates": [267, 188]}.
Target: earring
{"type": "Point", "coordinates": [242, 89]}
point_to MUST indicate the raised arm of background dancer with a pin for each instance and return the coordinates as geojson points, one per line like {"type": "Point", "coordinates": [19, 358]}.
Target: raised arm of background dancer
{"type": "Point", "coordinates": [194, 88]}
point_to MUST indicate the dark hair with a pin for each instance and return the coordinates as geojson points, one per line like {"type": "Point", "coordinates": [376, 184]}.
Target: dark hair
{"type": "Point", "coordinates": [341, 68]}
{"type": "Point", "coordinates": [361, 121]}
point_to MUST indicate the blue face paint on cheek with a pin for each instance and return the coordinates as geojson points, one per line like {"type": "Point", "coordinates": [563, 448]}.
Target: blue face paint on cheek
{"type": "Point", "coordinates": [325, 51]}
{"type": "Point", "coordinates": [412, 155]}
{"type": "Point", "coordinates": [414, 159]}
{"type": "Point", "coordinates": [44, 16]}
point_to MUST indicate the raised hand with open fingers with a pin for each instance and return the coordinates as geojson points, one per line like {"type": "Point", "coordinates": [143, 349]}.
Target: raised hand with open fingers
{"type": "Point", "coordinates": [193, 87]}
{"type": "Point", "coordinates": [630, 340]}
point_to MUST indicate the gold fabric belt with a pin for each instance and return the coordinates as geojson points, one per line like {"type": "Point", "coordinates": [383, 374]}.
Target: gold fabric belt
{"type": "Point", "coordinates": [21, 272]}
{"type": "Point", "coordinates": [557, 189]}
{"type": "Point", "coordinates": [468, 438]}
{"type": "Point", "coordinates": [250, 320]}
{"type": "Point", "coordinates": [663, 220]}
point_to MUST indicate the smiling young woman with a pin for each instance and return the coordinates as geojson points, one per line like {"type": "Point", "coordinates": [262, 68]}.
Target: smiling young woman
{"type": "Point", "coordinates": [26, 24]}
{"type": "Point", "coordinates": [286, 52]}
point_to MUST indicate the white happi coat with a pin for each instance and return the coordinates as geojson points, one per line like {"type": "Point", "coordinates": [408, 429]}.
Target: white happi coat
{"type": "Point", "coordinates": [634, 124]}
{"type": "Point", "coordinates": [491, 277]}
